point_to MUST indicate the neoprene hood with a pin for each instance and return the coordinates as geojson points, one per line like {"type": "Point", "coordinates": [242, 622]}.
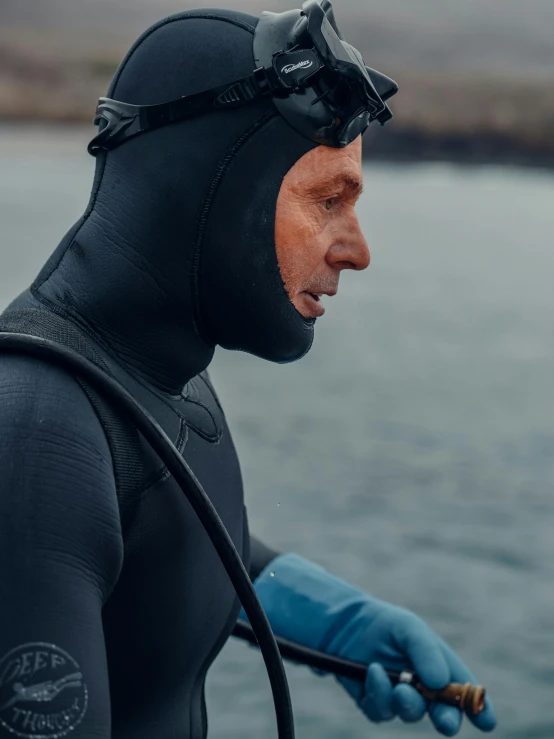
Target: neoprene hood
{"type": "Point", "coordinates": [175, 253]}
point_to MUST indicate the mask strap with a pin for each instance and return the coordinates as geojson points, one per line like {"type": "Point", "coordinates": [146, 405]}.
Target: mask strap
{"type": "Point", "coordinates": [121, 121]}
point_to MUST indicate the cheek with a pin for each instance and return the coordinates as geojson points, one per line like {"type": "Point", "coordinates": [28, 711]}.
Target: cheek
{"type": "Point", "coordinates": [299, 241]}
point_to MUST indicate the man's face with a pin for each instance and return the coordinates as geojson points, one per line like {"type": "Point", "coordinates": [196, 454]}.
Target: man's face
{"type": "Point", "coordinates": [317, 233]}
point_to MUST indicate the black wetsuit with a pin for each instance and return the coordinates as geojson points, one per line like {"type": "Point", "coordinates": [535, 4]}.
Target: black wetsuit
{"type": "Point", "coordinates": [110, 618]}
{"type": "Point", "coordinates": [140, 598]}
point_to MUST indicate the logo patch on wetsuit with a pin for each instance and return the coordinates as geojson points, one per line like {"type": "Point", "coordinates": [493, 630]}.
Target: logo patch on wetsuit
{"type": "Point", "coordinates": [42, 692]}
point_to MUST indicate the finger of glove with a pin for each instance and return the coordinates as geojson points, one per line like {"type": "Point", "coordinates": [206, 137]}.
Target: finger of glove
{"type": "Point", "coordinates": [377, 700]}
{"type": "Point", "coordinates": [486, 719]}
{"type": "Point", "coordinates": [425, 652]}
{"type": "Point", "coordinates": [447, 720]}
{"type": "Point", "coordinates": [408, 704]}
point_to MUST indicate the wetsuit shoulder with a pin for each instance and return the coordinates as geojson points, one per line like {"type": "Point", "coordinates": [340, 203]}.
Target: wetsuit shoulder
{"type": "Point", "coordinates": [61, 551]}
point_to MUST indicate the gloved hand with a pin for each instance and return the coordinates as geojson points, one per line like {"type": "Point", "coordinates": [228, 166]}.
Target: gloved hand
{"type": "Point", "coordinates": [308, 605]}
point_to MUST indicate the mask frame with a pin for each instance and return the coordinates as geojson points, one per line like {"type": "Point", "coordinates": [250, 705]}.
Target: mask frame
{"type": "Point", "coordinates": [319, 84]}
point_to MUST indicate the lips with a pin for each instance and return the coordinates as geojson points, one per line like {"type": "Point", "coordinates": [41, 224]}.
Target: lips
{"type": "Point", "coordinates": [311, 305]}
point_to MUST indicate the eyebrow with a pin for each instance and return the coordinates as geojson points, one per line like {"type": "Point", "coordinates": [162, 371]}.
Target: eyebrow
{"type": "Point", "coordinates": [343, 180]}
{"type": "Point", "coordinates": [354, 184]}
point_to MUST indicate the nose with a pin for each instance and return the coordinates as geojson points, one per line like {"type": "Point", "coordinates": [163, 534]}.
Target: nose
{"type": "Point", "coordinates": [349, 249]}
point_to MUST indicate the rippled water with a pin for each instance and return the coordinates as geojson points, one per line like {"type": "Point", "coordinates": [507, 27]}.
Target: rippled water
{"type": "Point", "coordinates": [412, 450]}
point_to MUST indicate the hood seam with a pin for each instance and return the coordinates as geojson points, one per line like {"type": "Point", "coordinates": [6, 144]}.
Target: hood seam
{"type": "Point", "coordinates": [199, 327]}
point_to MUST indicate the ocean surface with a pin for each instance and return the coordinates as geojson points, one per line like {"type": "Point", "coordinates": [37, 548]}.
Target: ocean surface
{"type": "Point", "coordinates": [412, 450]}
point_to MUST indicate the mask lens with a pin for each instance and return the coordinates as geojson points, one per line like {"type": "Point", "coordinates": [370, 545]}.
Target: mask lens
{"type": "Point", "coordinates": [333, 100]}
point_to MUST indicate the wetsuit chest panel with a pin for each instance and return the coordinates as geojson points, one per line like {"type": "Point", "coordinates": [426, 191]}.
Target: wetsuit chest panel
{"type": "Point", "coordinates": [173, 606]}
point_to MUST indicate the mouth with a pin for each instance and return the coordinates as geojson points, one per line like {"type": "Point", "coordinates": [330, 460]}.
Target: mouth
{"type": "Point", "coordinates": [312, 307]}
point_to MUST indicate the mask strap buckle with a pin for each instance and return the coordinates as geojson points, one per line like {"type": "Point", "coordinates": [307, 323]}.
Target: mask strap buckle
{"type": "Point", "coordinates": [262, 82]}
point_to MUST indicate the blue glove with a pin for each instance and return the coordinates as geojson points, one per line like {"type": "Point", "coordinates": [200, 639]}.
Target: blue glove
{"type": "Point", "coordinates": [308, 605]}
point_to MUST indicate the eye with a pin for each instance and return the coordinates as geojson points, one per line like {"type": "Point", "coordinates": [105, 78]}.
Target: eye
{"type": "Point", "coordinates": [329, 203]}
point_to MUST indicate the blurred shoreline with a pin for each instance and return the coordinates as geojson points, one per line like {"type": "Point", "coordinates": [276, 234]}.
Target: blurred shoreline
{"type": "Point", "coordinates": [472, 147]}
{"type": "Point", "coordinates": [451, 115]}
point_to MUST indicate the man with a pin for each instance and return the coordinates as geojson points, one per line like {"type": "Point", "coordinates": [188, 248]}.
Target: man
{"type": "Point", "coordinates": [223, 228]}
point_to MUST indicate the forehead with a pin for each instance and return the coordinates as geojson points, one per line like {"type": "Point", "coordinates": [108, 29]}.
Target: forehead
{"type": "Point", "coordinates": [324, 165]}
{"type": "Point", "coordinates": [347, 159]}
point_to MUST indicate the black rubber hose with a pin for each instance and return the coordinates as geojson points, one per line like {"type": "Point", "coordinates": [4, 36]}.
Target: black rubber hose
{"type": "Point", "coordinates": [319, 660]}
{"type": "Point", "coordinates": [311, 657]}
{"type": "Point", "coordinates": [35, 346]}
{"type": "Point", "coordinates": [470, 699]}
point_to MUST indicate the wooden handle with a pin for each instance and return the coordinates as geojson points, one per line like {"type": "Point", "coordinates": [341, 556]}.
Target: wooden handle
{"type": "Point", "coordinates": [468, 698]}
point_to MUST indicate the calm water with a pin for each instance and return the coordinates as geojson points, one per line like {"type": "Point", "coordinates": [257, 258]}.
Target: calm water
{"type": "Point", "coordinates": [412, 450]}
